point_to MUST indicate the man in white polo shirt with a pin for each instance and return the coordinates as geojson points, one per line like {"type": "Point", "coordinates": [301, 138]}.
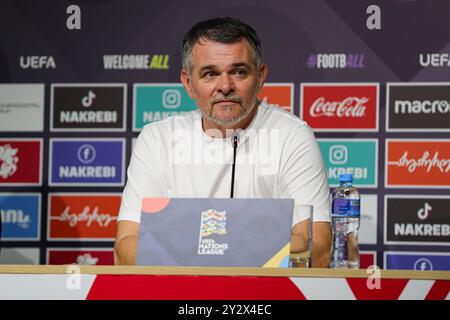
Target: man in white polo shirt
{"type": "Point", "coordinates": [190, 155]}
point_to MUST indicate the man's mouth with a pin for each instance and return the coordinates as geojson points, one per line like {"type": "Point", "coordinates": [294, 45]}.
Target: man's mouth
{"type": "Point", "coordinates": [226, 102]}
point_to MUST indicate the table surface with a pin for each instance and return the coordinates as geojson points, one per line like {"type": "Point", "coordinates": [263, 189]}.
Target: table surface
{"type": "Point", "coordinates": [225, 271]}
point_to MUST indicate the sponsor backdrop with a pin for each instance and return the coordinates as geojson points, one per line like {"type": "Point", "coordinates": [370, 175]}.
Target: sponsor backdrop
{"type": "Point", "coordinates": [78, 81]}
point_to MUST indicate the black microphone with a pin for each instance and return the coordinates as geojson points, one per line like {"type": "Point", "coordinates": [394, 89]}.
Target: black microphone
{"type": "Point", "coordinates": [234, 141]}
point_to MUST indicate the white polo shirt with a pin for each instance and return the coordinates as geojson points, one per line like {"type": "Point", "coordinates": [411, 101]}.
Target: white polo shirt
{"type": "Point", "coordinates": [277, 157]}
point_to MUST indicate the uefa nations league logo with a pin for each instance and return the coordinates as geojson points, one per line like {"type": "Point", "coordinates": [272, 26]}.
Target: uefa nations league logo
{"type": "Point", "coordinates": [212, 222]}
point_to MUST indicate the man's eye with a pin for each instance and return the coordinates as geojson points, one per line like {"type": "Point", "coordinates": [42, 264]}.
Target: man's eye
{"type": "Point", "coordinates": [210, 74]}
{"type": "Point", "coordinates": [240, 72]}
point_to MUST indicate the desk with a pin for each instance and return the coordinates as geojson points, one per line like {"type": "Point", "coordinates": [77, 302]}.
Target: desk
{"type": "Point", "coordinates": [217, 283]}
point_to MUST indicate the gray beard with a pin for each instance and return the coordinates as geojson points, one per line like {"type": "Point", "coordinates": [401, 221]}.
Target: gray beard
{"type": "Point", "coordinates": [244, 112]}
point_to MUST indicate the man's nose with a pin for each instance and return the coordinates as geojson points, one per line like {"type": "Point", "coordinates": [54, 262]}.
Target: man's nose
{"type": "Point", "coordinates": [226, 84]}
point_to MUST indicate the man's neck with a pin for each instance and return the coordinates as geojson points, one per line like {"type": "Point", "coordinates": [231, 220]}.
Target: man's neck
{"type": "Point", "coordinates": [215, 130]}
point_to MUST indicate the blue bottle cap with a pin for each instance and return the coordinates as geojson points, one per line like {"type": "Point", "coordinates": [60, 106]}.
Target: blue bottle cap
{"type": "Point", "coordinates": [346, 177]}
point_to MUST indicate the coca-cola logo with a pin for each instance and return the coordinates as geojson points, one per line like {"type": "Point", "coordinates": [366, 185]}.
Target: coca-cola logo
{"type": "Point", "coordinates": [350, 107]}
{"type": "Point", "coordinates": [340, 106]}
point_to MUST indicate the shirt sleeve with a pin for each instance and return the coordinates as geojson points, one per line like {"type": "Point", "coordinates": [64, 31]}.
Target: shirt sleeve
{"type": "Point", "coordinates": [303, 174]}
{"type": "Point", "coordinates": [143, 177]}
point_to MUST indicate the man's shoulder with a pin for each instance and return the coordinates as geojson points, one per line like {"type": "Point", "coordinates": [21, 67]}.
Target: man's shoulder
{"type": "Point", "coordinates": [276, 116]}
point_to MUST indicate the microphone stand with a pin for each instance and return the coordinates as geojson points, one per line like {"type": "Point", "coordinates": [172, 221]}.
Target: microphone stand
{"type": "Point", "coordinates": [235, 143]}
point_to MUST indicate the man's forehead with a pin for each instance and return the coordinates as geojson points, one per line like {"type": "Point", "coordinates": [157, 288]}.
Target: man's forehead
{"type": "Point", "coordinates": [205, 44]}
{"type": "Point", "coordinates": [215, 51]}
{"type": "Point", "coordinates": [205, 41]}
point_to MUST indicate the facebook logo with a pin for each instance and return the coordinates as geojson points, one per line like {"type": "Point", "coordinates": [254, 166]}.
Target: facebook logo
{"type": "Point", "coordinates": [417, 261]}
{"type": "Point", "coordinates": [76, 162]}
{"type": "Point", "coordinates": [86, 153]}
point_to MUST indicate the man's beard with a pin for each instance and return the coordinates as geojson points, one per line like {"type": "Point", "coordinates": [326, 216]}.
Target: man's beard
{"type": "Point", "coordinates": [245, 110]}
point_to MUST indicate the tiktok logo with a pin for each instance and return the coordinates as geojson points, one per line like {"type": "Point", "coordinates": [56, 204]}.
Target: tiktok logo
{"type": "Point", "coordinates": [86, 153]}
{"type": "Point", "coordinates": [423, 213]}
{"type": "Point", "coordinates": [88, 100]}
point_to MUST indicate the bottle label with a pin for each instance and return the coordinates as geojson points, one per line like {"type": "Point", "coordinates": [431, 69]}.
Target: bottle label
{"type": "Point", "coordinates": [345, 207]}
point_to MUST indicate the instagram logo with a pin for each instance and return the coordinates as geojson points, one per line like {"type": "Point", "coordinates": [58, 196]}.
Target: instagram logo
{"type": "Point", "coordinates": [338, 154]}
{"type": "Point", "coordinates": [171, 99]}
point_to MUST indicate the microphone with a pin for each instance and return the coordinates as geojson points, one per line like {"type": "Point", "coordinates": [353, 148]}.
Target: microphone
{"type": "Point", "coordinates": [234, 141]}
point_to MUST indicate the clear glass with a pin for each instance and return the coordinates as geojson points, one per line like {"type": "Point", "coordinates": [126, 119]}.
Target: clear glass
{"type": "Point", "coordinates": [301, 237]}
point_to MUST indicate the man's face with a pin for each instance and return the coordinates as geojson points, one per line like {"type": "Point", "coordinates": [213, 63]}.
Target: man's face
{"type": "Point", "coordinates": [223, 80]}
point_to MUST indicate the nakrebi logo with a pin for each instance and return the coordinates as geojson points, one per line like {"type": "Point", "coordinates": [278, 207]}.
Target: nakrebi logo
{"type": "Point", "coordinates": [212, 222]}
{"type": "Point", "coordinates": [37, 62]}
{"type": "Point", "coordinates": [87, 162]}
{"type": "Point", "coordinates": [80, 256]}
{"type": "Point", "coordinates": [417, 261]}
{"type": "Point", "coordinates": [418, 107]}
{"type": "Point", "coordinates": [20, 213]}
{"type": "Point", "coordinates": [20, 161]}
{"type": "Point", "coordinates": [136, 62]}
{"type": "Point", "coordinates": [434, 59]}
{"type": "Point", "coordinates": [21, 107]}
{"type": "Point", "coordinates": [82, 216]}
{"type": "Point", "coordinates": [417, 163]}
{"type": "Point", "coordinates": [356, 156]}
{"type": "Point", "coordinates": [86, 107]}
{"type": "Point", "coordinates": [154, 102]}
{"type": "Point", "coordinates": [411, 219]}
{"type": "Point", "coordinates": [340, 106]}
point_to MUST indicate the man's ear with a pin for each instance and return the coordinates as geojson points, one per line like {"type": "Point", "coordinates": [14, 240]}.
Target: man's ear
{"type": "Point", "coordinates": [263, 71]}
{"type": "Point", "coordinates": [186, 81]}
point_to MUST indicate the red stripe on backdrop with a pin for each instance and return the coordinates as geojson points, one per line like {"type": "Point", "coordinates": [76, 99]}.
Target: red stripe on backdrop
{"type": "Point", "coordinates": [365, 289]}
{"type": "Point", "coordinates": [138, 287]}
{"type": "Point", "coordinates": [439, 290]}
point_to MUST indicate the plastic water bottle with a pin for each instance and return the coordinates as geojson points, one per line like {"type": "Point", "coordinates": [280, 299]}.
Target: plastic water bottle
{"type": "Point", "coordinates": [345, 214]}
